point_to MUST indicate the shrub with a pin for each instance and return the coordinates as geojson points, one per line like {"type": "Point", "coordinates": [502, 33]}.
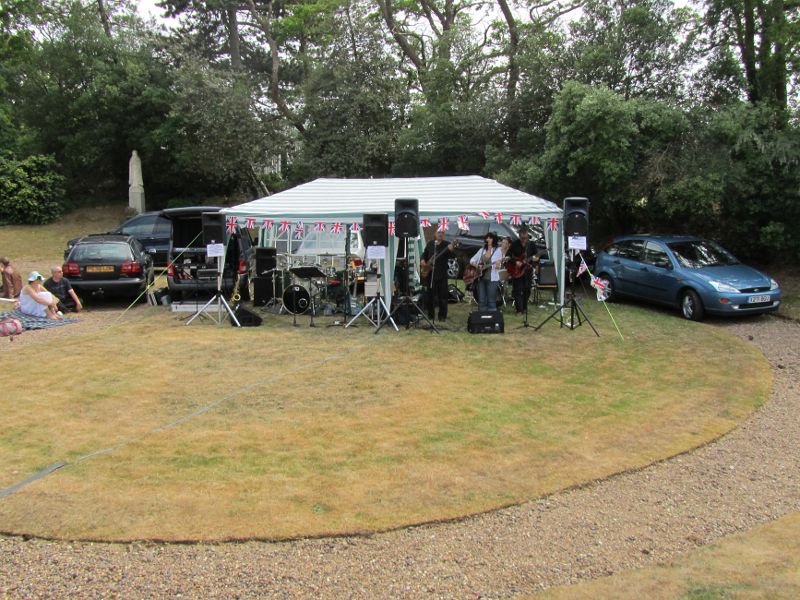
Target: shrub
{"type": "Point", "coordinates": [31, 190]}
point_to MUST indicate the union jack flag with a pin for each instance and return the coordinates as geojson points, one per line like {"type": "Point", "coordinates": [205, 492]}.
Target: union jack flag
{"type": "Point", "coordinates": [498, 217]}
{"type": "Point", "coordinates": [442, 224]}
{"type": "Point", "coordinates": [267, 224]}
{"type": "Point", "coordinates": [231, 225]}
{"type": "Point", "coordinates": [299, 233]}
{"type": "Point", "coordinates": [356, 226]}
{"type": "Point", "coordinates": [319, 226]}
{"type": "Point", "coordinates": [336, 228]}
{"type": "Point", "coordinates": [425, 222]}
{"type": "Point", "coordinates": [250, 222]}
{"type": "Point", "coordinates": [601, 285]}
{"type": "Point", "coordinates": [516, 220]}
{"type": "Point", "coordinates": [552, 224]}
{"type": "Point", "coordinates": [582, 268]}
{"type": "Point", "coordinates": [284, 226]}
{"type": "Point", "coordinates": [534, 221]}
{"type": "Point", "coordinates": [485, 214]}
{"type": "Point", "coordinates": [391, 227]}
{"type": "Point", "coordinates": [463, 223]}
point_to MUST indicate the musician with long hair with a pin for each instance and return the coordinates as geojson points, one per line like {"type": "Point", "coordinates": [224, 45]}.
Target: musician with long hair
{"type": "Point", "coordinates": [433, 267]}
{"type": "Point", "coordinates": [488, 261]}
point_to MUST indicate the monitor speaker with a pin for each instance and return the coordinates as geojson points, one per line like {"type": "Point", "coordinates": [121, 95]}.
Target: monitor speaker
{"type": "Point", "coordinates": [576, 217]}
{"type": "Point", "coordinates": [266, 260]}
{"type": "Point", "coordinates": [213, 228]}
{"type": "Point", "coordinates": [376, 229]}
{"type": "Point", "coordinates": [406, 217]}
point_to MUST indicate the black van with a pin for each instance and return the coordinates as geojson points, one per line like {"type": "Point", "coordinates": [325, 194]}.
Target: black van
{"type": "Point", "coordinates": [190, 272]}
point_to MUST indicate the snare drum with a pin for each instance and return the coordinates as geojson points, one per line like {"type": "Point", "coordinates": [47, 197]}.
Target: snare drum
{"type": "Point", "coordinates": [296, 299]}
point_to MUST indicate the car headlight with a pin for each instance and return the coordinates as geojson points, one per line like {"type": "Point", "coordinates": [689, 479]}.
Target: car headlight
{"type": "Point", "coordinates": [723, 287]}
{"type": "Point", "coordinates": [773, 285]}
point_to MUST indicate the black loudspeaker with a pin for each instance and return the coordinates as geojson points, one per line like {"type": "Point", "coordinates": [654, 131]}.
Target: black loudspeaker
{"type": "Point", "coordinates": [266, 260]}
{"type": "Point", "coordinates": [213, 228]}
{"type": "Point", "coordinates": [576, 217]}
{"type": "Point", "coordinates": [246, 318]}
{"type": "Point", "coordinates": [406, 217]}
{"type": "Point", "coordinates": [485, 321]}
{"type": "Point", "coordinates": [268, 287]}
{"type": "Point", "coordinates": [376, 229]}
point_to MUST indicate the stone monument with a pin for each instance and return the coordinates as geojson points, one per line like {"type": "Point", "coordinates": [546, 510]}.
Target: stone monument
{"type": "Point", "coordinates": [135, 184]}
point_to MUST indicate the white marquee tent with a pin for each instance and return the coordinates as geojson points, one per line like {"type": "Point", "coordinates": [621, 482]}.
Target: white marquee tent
{"type": "Point", "coordinates": [334, 204]}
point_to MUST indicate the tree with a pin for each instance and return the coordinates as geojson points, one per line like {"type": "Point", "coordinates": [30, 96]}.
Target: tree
{"type": "Point", "coordinates": [766, 34]}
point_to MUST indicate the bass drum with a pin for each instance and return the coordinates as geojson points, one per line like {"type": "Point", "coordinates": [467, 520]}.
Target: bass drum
{"type": "Point", "coordinates": [296, 299]}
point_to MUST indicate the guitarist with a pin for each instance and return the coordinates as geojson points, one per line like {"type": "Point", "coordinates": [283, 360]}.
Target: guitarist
{"type": "Point", "coordinates": [524, 256]}
{"type": "Point", "coordinates": [433, 268]}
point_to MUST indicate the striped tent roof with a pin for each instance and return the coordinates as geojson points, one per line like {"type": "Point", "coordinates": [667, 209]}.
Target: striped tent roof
{"type": "Point", "coordinates": [335, 199]}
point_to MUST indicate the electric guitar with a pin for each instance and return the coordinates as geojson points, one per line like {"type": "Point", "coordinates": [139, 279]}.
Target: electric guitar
{"type": "Point", "coordinates": [515, 272]}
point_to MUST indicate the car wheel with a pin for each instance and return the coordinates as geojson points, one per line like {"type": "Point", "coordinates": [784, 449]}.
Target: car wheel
{"type": "Point", "coordinates": [691, 306]}
{"type": "Point", "coordinates": [454, 268]}
{"type": "Point", "coordinates": [244, 289]}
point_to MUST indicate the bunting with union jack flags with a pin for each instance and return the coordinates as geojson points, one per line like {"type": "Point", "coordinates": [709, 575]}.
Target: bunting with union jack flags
{"type": "Point", "coordinates": [319, 226]}
{"type": "Point", "coordinates": [299, 232]}
{"type": "Point", "coordinates": [516, 220]}
{"type": "Point", "coordinates": [250, 222]}
{"type": "Point", "coordinates": [552, 224]}
{"type": "Point", "coordinates": [425, 222]}
{"type": "Point", "coordinates": [534, 221]}
{"type": "Point", "coordinates": [443, 222]}
{"type": "Point", "coordinates": [231, 225]}
{"type": "Point", "coordinates": [463, 223]}
{"type": "Point", "coordinates": [391, 227]}
{"type": "Point", "coordinates": [336, 228]}
{"type": "Point", "coordinates": [284, 226]}
{"type": "Point", "coordinates": [498, 217]}
{"type": "Point", "coordinates": [485, 214]}
{"type": "Point", "coordinates": [267, 224]}
{"type": "Point", "coordinates": [355, 226]}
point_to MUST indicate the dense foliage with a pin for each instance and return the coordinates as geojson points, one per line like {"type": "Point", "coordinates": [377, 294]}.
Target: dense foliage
{"type": "Point", "coordinates": [668, 116]}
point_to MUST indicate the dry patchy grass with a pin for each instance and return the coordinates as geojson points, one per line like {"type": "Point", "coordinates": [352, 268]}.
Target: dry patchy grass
{"type": "Point", "coordinates": [761, 563]}
{"type": "Point", "coordinates": [40, 246]}
{"type": "Point", "coordinates": [216, 433]}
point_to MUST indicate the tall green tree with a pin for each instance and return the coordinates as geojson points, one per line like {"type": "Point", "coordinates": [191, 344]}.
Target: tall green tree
{"type": "Point", "coordinates": [766, 36]}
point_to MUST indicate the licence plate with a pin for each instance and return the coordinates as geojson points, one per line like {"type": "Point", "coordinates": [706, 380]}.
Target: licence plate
{"type": "Point", "coordinates": [100, 269]}
{"type": "Point", "coordinates": [754, 299]}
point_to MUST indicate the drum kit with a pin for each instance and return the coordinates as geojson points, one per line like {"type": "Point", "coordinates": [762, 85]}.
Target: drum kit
{"type": "Point", "coordinates": [298, 287]}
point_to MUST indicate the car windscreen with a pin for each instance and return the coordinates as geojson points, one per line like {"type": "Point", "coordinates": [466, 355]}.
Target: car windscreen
{"type": "Point", "coordinates": [695, 254]}
{"type": "Point", "coordinates": [120, 252]}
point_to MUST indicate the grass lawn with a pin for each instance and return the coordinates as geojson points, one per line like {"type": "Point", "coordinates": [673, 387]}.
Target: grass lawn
{"type": "Point", "coordinates": [208, 432]}
{"type": "Point", "coordinates": [44, 244]}
{"type": "Point", "coordinates": [761, 563]}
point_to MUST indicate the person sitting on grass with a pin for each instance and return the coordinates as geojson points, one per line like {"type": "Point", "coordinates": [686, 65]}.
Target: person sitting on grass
{"type": "Point", "coordinates": [61, 288]}
{"type": "Point", "coordinates": [36, 301]}
{"type": "Point", "coordinates": [12, 282]}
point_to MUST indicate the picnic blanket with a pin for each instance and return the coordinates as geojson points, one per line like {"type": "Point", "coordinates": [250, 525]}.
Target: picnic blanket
{"type": "Point", "coordinates": [29, 322]}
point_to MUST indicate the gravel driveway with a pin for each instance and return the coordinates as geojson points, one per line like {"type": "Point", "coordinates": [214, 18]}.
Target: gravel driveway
{"type": "Point", "coordinates": [746, 478]}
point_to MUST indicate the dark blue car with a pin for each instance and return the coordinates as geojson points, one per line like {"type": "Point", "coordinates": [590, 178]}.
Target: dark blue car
{"type": "Point", "coordinates": [695, 275]}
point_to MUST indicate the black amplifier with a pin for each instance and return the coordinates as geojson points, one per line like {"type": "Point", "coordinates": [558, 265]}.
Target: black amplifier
{"type": "Point", "coordinates": [485, 321]}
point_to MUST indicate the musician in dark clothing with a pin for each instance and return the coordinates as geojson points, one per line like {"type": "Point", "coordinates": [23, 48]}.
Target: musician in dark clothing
{"type": "Point", "coordinates": [434, 261]}
{"type": "Point", "coordinates": [524, 256]}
